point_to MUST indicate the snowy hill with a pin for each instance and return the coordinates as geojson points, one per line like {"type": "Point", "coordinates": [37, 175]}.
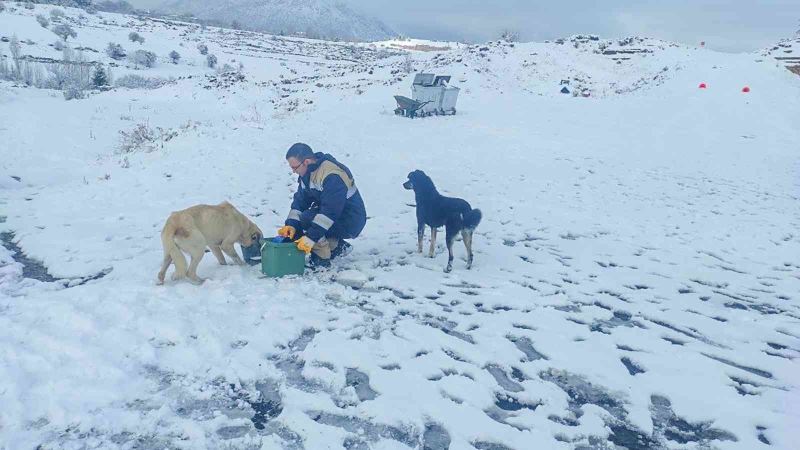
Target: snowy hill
{"type": "Point", "coordinates": [636, 272]}
{"type": "Point", "coordinates": [314, 18]}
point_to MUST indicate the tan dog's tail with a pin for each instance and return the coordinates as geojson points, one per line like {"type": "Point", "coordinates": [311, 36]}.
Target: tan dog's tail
{"type": "Point", "coordinates": [172, 254]}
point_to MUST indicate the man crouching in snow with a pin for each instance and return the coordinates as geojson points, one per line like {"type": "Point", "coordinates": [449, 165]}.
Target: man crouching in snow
{"type": "Point", "coordinates": [327, 207]}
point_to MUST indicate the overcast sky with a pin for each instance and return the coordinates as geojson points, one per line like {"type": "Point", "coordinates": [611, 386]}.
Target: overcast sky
{"type": "Point", "coordinates": [727, 25]}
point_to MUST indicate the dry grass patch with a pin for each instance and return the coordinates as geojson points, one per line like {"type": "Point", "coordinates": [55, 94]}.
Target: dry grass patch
{"type": "Point", "coordinates": [422, 47]}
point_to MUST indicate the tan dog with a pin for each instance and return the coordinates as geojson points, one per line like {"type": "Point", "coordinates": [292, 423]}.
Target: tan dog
{"type": "Point", "coordinates": [193, 229]}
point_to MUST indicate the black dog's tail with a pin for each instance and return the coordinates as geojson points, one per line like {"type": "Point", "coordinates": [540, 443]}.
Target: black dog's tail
{"type": "Point", "coordinates": [472, 218]}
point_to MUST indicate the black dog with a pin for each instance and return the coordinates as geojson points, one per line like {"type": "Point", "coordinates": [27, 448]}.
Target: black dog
{"type": "Point", "coordinates": [435, 210]}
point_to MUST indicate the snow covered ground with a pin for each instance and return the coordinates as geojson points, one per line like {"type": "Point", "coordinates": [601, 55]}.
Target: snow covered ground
{"type": "Point", "coordinates": [636, 277]}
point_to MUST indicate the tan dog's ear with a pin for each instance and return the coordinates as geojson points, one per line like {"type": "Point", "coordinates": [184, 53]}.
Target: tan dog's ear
{"type": "Point", "coordinates": [252, 234]}
{"type": "Point", "coordinates": [256, 232]}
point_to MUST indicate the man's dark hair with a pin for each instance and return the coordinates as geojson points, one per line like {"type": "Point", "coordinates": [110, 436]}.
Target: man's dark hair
{"type": "Point", "coordinates": [300, 152]}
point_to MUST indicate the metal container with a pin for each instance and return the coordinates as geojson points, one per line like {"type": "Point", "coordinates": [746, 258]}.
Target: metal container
{"type": "Point", "coordinates": [449, 97]}
{"type": "Point", "coordinates": [435, 94]}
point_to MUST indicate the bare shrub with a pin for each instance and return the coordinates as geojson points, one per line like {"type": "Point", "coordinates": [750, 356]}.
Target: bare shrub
{"type": "Point", "coordinates": [56, 14]}
{"type": "Point", "coordinates": [136, 37]}
{"type": "Point", "coordinates": [43, 21]}
{"type": "Point", "coordinates": [73, 92]}
{"type": "Point", "coordinates": [143, 138]}
{"type": "Point", "coordinates": [133, 81]}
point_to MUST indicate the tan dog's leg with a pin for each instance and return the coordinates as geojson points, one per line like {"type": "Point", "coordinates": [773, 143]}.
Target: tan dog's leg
{"type": "Point", "coordinates": [218, 254]}
{"type": "Point", "coordinates": [172, 254]}
{"type": "Point", "coordinates": [191, 273]}
{"type": "Point", "coordinates": [180, 266]}
{"type": "Point", "coordinates": [164, 265]}
{"type": "Point", "coordinates": [433, 242]}
{"type": "Point", "coordinates": [467, 237]}
{"type": "Point", "coordinates": [420, 236]}
{"type": "Point", "coordinates": [195, 245]}
{"type": "Point", "coordinates": [227, 247]}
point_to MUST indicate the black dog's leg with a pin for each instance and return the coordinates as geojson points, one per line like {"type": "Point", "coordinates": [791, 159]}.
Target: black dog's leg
{"type": "Point", "coordinates": [433, 242]}
{"type": "Point", "coordinates": [450, 236]}
{"type": "Point", "coordinates": [420, 235]}
{"type": "Point", "coordinates": [466, 235]}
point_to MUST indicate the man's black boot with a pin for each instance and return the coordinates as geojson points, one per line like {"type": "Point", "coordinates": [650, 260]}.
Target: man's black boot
{"type": "Point", "coordinates": [343, 249]}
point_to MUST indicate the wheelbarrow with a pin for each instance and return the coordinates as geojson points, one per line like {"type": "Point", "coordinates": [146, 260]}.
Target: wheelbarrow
{"type": "Point", "coordinates": [408, 107]}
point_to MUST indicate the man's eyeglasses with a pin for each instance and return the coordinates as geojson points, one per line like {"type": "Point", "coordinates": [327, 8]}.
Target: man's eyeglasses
{"type": "Point", "coordinates": [294, 168]}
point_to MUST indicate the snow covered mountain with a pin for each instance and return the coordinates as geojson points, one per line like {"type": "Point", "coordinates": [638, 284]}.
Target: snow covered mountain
{"type": "Point", "coordinates": [328, 19]}
{"type": "Point", "coordinates": [636, 273]}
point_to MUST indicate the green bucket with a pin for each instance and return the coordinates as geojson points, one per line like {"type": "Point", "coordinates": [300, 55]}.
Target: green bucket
{"type": "Point", "coordinates": [281, 258]}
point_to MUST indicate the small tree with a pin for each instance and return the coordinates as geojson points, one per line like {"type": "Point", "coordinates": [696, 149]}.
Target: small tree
{"type": "Point", "coordinates": [16, 50]}
{"type": "Point", "coordinates": [408, 63]}
{"type": "Point", "coordinates": [144, 58]}
{"type": "Point", "coordinates": [136, 37]}
{"type": "Point", "coordinates": [236, 25]}
{"type": "Point", "coordinates": [100, 77]}
{"type": "Point", "coordinates": [42, 21]}
{"type": "Point", "coordinates": [509, 36]}
{"type": "Point", "coordinates": [115, 51]}
{"type": "Point", "coordinates": [59, 45]}
{"type": "Point", "coordinates": [202, 48]}
{"type": "Point", "coordinates": [211, 60]}
{"type": "Point", "coordinates": [64, 31]}
{"type": "Point", "coordinates": [32, 74]}
{"type": "Point", "coordinates": [5, 72]}
{"type": "Point", "coordinates": [174, 57]}
{"type": "Point", "coordinates": [2, 6]}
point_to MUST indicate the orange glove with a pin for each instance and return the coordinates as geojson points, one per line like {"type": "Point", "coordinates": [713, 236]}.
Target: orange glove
{"type": "Point", "coordinates": [304, 244]}
{"type": "Point", "coordinates": [287, 231]}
